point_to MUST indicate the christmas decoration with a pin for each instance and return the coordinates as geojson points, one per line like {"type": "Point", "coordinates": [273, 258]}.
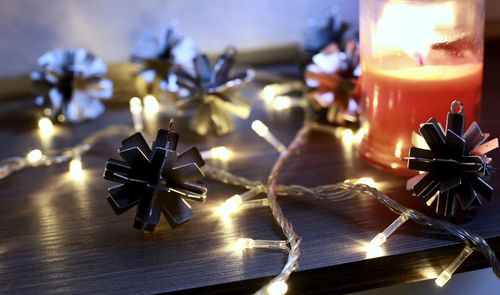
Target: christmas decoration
{"type": "Point", "coordinates": [333, 81]}
{"type": "Point", "coordinates": [212, 94]}
{"type": "Point", "coordinates": [71, 84]}
{"type": "Point", "coordinates": [319, 35]}
{"type": "Point", "coordinates": [156, 180]}
{"type": "Point", "coordinates": [455, 164]}
{"type": "Point", "coordinates": [159, 56]}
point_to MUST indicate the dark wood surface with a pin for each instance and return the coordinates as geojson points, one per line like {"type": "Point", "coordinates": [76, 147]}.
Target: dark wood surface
{"type": "Point", "coordinates": [61, 236]}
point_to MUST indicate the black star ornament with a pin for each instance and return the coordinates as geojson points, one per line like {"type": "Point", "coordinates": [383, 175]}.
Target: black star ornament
{"type": "Point", "coordinates": [455, 166]}
{"type": "Point", "coordinates": [156, 180]}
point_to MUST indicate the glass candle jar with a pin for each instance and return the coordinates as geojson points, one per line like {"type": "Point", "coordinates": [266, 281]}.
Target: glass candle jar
{"type": "Point", "coordinates": [417, 57]}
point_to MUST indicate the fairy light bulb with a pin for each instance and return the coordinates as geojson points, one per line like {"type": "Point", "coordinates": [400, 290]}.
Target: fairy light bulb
{"type": "Point", "coordinates": [135, 105]}
{"type": "Point", "coordinates": [75, 166]}
{"type": "Point", "coordinates": [34, 156]}
{"type": "Point", "coordinates": [445, 276]}
{"type": "Point", "coordinates": [347, 136]}
{"type": "Point", "coordinates": [235, 202]}
{"type": "Point", "coordinates": [217, 153]}
{"type": "Point", "coordinates": [151, 105]}
{"type": "Point", "coordinates": [230, 206]}
{"type": "Point", "coordinates": [45, 126]}
{"type": "Point", "coordinates": [263, 131]}
{"type": "Point", "coordinates": [282, 103]}
{"type": "Point", "coordinates": [382, 237]}
{"type": "Point", "coordinates": [269, 92]}
{"type": "Point", "coordinates": [367, 181]}
{"type": "Point", "coordinates": [75, 169]}
{"type": "Point", "coordinates": [277, 288]}
{"type": "Point", "coordinates": [249, 243]}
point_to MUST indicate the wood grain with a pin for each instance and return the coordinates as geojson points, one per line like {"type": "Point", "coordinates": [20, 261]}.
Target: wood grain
{"type": "Point", "coordinates": [61, 236]}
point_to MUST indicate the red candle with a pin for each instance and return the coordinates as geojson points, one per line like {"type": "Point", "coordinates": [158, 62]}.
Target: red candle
{"type": "Point", "coordinates": [417, 56]}
{"type": "Point", "coordinates": [398, 100]}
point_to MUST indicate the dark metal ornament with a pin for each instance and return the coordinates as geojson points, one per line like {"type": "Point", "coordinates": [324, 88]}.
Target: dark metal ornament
{"type": "Point", "coordinates": [155, 179]}
{"type": "Point", "coordinates": [159, 56]}
{"type": "Point", "coordinates": [455, 164]}
{"type": "Point", "coordinates": [212, 94]}
{"type": "Point", "coordinates": [71, 84]}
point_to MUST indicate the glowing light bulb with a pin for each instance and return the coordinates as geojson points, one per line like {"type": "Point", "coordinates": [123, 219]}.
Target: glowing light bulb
{"type": "Point", "coordinates": [277, 288]}
{"type": "Point", "coordinates": [359, 135]}
{"type": "Point", "coordinates": [260, 128]}
{"type": "Point", "coordinates": [231, 205]}
{"type": "Point", "coordinates": [151, 105]}
{"type": "Point", "coordinates": [445, 276]}
{"type": "Point", "coordinates": [136, 111]}
{"type": "Point", "coordinates": [382, 237]}
{"type": "Point", "coordinates": [217, 153]}
{"type": "Point", "coordinates": [236, 202]}
{"type": "Point", "coordinates": [269, 92]}
{"type": "Point", "coordinates": [34, 156]}
{"type": "Point", "coordinates": [367, 181]}
{"type": "Point", "coordinates": [46, 127]}
{"type": "Point", "coordinates": [243, 243]}
{"type": "Point", "coordinates": [347, 136]}
{"type": "Point", "coordinates": [75, 169]}
{"type": "Point", "coordinates": [135, 105]}
{"type": "Point", "coordinates": [263, 131]}
{"type": "Point", "coordinates": [282, 103]}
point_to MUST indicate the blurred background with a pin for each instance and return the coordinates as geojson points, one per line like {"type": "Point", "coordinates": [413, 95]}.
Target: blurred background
{"type": "Point", "coordinates": [259, 28]}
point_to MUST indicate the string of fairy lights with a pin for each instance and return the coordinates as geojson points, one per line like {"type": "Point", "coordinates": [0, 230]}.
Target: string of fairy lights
{"type": "Point", "coordinates": [338, 192]}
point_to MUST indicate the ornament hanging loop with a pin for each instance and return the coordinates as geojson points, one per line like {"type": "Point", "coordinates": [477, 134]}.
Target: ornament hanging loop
{"type": "Point", "coordinates": [457, 107]}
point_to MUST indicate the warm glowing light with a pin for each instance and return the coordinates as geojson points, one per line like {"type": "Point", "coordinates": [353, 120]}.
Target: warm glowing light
{"type": "Point", "coordinates": [243, 243]}
{"type": "Point", "coordinates": [367, 180]}
{"type": "Point", "coordinates": [373, 251]}
{"type": "Point", "coordinates": [135, 105]}
{"type": "Point", "coordinates": [277, 288]}
{"type": "Point", "coordinates": [136, 111]}
{"type": "Point", "coordinates": [46, 127]}
{"type": "Point", "coordinates": [397, 150]}
{"type": "Point", "coordinates": [378, 241]}
{"type": "Point", "coordinates": [359, 135]}
{"type": "Point", "coordinates": [442, 279]}
{"type": "Point", "coordinates": [445, 276]}
{"type": "Point", "coordinates": [151, 105]}
{"type": "Point", "coordinates": [260, 128]}
{"type": "Point", "coordinates": [399, 27]}
{"type": "Point", "coordinates": [34, 156]}
{"type": "Point", "coordinates": [269, 92]}
{"type": "Point", "coordinates": [217, 153]}
{"type": "Point", "coordinates": [382, 237]}
{"type": "Point", "coordinates": [230, 206]}
{"type": "Point", "coordinates": [282, 103]}
{"type": "Point", "coordinates": [75, 169]}
{"type": "Point", "coordinates": [347, 136]}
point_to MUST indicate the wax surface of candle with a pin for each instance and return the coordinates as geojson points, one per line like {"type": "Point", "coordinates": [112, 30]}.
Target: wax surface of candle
{"type": "Point", "coordinates": [398, 99]}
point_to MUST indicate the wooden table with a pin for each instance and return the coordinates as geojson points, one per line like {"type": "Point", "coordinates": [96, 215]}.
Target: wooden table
{"type": "Point", "coordinates": [61, 236]}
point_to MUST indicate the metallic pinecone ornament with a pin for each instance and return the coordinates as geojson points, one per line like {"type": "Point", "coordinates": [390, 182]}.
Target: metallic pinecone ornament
{"type": "Point", "coordinates": [155, 180]}
{"type": "Point", "coordinates": [212, 94]}
{"type": "Point", "coordinates": [455, 164]}
{"type": "Point", "coordinates": [333, 78]}
{"type": "Point", "coordinates": [71, 84]}
{"type": "Point", "coordinates": [159, 56]}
